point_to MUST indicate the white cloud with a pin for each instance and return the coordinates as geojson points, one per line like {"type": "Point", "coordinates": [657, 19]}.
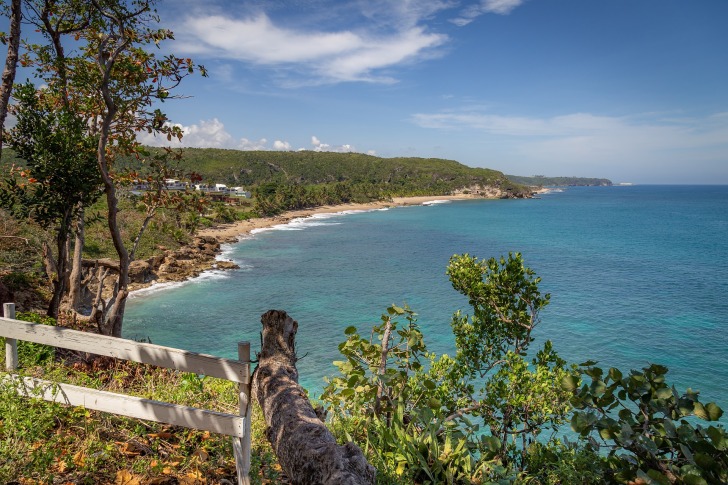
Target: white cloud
{"type": "Point", "coordinates": [213, 134]}
{"type": "Point", "coordinates": [206, 134]}
{"type": "Point", "coordinates": [319, 146]}
{"type": "Point", "coordinates": [281, 145]}
{"type": "Point", "coordinates": [502, 7]}
{"type": "Point", "coordinates": [317, 55]}
{"type": "Point", "coordinates": [471, 12]}
{"type": "Point", "coordinates": [246, 144]}
{"type": "Point", "coordinates": [515, 125]}
{"type": "Point", "coordinates": [256, 39]}
{"type": "Point", "coordinates": [646, 147]}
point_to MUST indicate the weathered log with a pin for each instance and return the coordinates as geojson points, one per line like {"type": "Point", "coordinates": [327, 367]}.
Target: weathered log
{"type": "Point", "coordinates": [105, 263]}
{"type": "Point", "coordinates": [306, 449]}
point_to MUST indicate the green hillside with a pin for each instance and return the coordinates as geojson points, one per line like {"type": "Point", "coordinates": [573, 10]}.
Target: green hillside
{"type": "Point", "coordinates": [399, 176]}
{"type": "Point", "coordinates": [402, 176]}
{"type": "Point", "coordinates": [540, 180]}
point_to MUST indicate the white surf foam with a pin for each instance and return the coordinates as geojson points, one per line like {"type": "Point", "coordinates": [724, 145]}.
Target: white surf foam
{"type": "Point", "coordinates": [433, 202]}
{"type": "Point", "coordinates": [207, 275]}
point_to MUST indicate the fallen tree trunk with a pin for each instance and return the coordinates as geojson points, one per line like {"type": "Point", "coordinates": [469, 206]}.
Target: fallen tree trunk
{"type": "Point", "coordinates": [306, 449]}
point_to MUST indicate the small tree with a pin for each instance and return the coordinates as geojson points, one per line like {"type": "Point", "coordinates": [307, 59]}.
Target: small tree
{"type": "Point", "coordinates": [516, 398]}
{"type": "Point", "coordinates": [112, 81]}
{"type": "Point", "coordinates": [426, 417]}
{"type": "Point", "coordinates": [59, 178]}
{"type": "Point", "coordinates": [419, 423]}
{"type": "Point", "coordinates": [126, 82]}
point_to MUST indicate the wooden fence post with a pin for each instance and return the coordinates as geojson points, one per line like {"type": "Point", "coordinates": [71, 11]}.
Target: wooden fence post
{"type": "Point", "coordinates": [11, 345]}
{"type": "Point", "coordinates": [241, 446]}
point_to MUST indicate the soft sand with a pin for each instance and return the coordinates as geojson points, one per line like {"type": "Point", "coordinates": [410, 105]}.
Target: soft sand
{"type": "Point", "coordinates": [229, 232]}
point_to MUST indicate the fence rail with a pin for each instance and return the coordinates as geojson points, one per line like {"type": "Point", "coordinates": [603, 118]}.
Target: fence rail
{"type": "Point", "coordinates": [238, 371]}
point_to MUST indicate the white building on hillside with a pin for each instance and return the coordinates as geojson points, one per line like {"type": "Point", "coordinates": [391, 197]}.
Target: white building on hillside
{"type": "Point", "coordinates": [240, 192]}
{"type": "Point", "coordinates": [174, 184]}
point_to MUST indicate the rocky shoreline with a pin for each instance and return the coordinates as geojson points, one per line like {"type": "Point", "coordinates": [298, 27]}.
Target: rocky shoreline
{"type": "Point", "coordinates": [181, 264]}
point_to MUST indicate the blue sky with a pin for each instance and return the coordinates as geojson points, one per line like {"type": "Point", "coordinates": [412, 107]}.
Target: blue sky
{"type": "Point", "coordinates": [632, 90]}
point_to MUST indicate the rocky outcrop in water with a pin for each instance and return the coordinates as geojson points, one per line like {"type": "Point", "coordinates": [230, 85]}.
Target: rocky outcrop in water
{"type": "Point", "coordinates": [180, 264]}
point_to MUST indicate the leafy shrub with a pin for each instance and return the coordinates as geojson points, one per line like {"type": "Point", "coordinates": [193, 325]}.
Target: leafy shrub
{"type": "Point", "coordinates": [642, 423]}
{"type": "Point", "coordinates": [480, 416]}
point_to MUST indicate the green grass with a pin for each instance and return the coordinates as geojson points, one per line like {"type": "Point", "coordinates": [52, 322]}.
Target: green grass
{"type": "Point", "coordinates": [52, 443]}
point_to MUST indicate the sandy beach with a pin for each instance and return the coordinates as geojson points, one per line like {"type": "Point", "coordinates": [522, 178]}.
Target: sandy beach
{"type": "Point", "coordinates": [231, 232]}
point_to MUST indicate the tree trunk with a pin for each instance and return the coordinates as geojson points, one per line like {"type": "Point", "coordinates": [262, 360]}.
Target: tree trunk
{"type": "Point", "coordinates": [306, 449]}
{"type": "Point", "coordinates": [49, 262]}
{"type": "Point", "coordinates": [11, 63]}
{"type": "Point", "coordinates": [59, 284]}
{"type": "Point", "coordinates": [74, 284]}
{"type": "Point", "coordinates": [114, 315]}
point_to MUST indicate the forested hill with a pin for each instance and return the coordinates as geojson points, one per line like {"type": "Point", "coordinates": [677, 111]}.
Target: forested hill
{"type": "Point", "coordinates": [402, 176]}
{"type": "Point", "coordinates": [540, 180]}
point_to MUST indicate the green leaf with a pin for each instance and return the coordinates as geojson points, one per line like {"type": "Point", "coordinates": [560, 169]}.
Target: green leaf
{"type": "Point", "coordinates": [694, 480]}
{"type": "Point", "coordinates": [714, 411]}
{"type": "Point", "coordinates": [606, 434]}
{"type": "Point", "coordinates": [656, 477]}
{"type": "Point", "coordinates": [492, 443]}
{"type": "Point", "coordinates": [699, 411]}
{"type": "Point", "coordinates": [719, 437]}
{"type": "Point", "coordinates": [598, 388]}
{"type": "Point", "coordinates": [397, 310]}
{"type": "Point", "coordinates": [579, 423]}
{"type": "Point", "coordinates": [352, 381]}
{"type": "Point", "coordinates": [570, 383]}
{"type": "Point", "coordinates": [350, 330]}
{"type": "Point", "coordinates": [588, 363]}
{"type": "Point", "coordinates": [615, 374]}
{"type": "Point", "coordinates": [669, 428]}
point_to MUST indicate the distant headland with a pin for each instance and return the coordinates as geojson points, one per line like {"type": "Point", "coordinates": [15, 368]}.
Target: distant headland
{"type": "Point", "coordinates": [542, 181]}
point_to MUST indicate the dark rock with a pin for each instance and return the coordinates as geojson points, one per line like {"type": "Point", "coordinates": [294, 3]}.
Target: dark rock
{"type": "Point", "coordinates": [183, 253]}
{"type": "Point", "coordinates": [155, 261]}
{"type": "Point", "coordinates": [226, 265]}
{"type": "Point", "coordinates": [210, 249]}
{"type": "Point", "coordinates": [167, 268]}
{"type": "Point", "coordinates": [140, 272]}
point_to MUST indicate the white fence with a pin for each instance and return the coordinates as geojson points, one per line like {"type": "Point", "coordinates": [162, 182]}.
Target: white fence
{"type": "Point", "coordinates": [235, 425]}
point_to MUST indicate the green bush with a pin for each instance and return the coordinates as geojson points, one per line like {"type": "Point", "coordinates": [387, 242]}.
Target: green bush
{"type": "Point", "coordinates": [646, 428]}
{"type": "Point", "coordinates": [481, 416]}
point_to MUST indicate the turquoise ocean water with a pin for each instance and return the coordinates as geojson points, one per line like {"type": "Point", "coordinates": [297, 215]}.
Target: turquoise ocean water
{"type": "Point", "coordinates": [637, 274]}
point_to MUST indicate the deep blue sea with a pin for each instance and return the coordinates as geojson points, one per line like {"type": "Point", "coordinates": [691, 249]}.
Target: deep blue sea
{"type": "Point", "coordinates": [637, 274]}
